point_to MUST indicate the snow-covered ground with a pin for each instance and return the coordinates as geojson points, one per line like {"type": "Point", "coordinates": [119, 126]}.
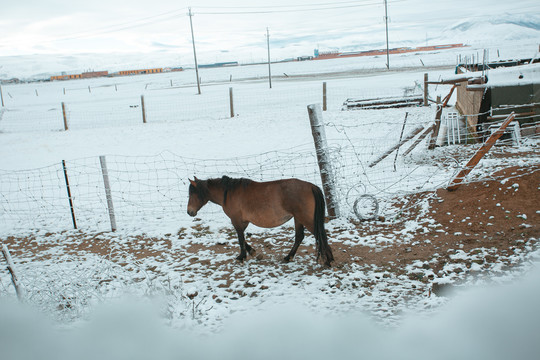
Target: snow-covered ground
{"type": "Point", "coordinates": [269, 137]}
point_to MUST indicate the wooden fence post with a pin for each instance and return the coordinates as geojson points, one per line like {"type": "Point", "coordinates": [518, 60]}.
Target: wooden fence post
{"type": "Point", "coordinates": [143, 110]}
{"type": "Point", "coordinates": [11, 269]}
{"type": "Point", "coordinates": [435, 134]}
{"type": "Point", "coordinates": [231, 101]}
{"type": "Point", "coordinates": [323, 159]}
{"type": "Point", "coordinates": [426, 89]}
{"type": "Point", "coordinates": [108, 191]}
{"type": "Point", "coordinates": [1, 96]}
{"type": "Point", "coordinates": [454, 184]}
{"type": "Point", "coordinates": [69, 195]}
{"type": "Point", "coordinates": [66, 128]}
{"type": "Point", "coordinates": [324, 107]}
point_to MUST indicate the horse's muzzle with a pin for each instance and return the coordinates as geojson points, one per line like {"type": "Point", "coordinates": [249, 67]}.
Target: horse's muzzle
{"type": "Point", "coordinates": [191, 212]}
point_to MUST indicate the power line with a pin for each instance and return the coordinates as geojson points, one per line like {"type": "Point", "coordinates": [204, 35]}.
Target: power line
{"type": "Point", "coordinates": [288, 10]}
{"type": "Point", "coordinates": [283, 6]}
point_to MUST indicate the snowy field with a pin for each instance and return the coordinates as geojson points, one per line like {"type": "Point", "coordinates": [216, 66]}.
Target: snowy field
{"type": "Point", "coordinates": [80, 279]}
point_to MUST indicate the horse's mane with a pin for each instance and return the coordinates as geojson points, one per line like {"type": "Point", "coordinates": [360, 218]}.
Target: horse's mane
{"type": "Point", "coordinates": [229, 184]}
{"type": "Point", "coordinates": [225, 182]}
{"type": "Point", "coordinates": [232, 183]}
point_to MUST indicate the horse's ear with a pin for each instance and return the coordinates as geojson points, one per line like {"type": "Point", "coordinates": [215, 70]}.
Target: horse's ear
{"type": "Point", "coordinates": [193, 182]}
{"type": "Point", "coordinates": [195, 178]}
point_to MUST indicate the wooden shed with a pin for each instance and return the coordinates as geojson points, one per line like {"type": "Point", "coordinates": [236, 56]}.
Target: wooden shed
{"type": "Point", "coordinates": [488, 96]}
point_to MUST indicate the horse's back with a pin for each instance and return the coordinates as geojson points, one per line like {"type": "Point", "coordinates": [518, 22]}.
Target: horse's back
{"type": "Point", "coordinates": [272, 203]}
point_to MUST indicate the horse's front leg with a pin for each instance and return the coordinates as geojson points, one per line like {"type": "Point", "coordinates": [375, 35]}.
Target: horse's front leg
{"type": "Point", "coordinates": [240, 228]}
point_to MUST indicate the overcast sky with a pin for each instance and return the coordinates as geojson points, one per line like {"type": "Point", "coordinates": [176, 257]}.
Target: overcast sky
{"type": "Point", "coordinates": [225, 30]}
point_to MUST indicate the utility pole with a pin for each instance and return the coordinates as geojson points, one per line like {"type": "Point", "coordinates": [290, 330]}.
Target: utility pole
{"type": "Point", "coordinates": [386, 20]}
{"type": "Point", "coordinates": [194, 52]}
{"type": "Point", "coordinates": [268, 46]}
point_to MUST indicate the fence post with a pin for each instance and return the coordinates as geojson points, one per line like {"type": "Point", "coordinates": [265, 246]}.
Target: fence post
{"type": "Point", "coordinates": [324, 107]}
{"type": "Point", "coordinates": [425, 89]}
{"type": "Point", "coordinates": [1, 96]}
{"type": "Point", "coordinates": [69, 195]}
{"type": "Point", "coordinates": [143, 110]}
{"type": "Point", "coordinates": [327, 176]}
{"type": "Point", "coordinates": [435, 134]}
{"type": "Point", "coordinates": [11, 269]}
{"type": "Point", "coordinates": [65, 116]}
{"type": "Point", "coordinates": [231, 101]}
{"type": "Point", "coordinates": [108, 191]}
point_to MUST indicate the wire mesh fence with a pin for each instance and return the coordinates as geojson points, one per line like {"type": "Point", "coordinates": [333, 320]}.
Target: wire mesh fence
{"type": "Point", "coordinates": [154, 188]}
{"type": "Point", "coordinates": [85, 109]}
{"type": "Point", "coordinates": [150, 190]}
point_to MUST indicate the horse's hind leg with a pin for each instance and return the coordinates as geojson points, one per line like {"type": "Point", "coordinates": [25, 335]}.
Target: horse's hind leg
{"type": "Point", "coordinates": [298, 237]}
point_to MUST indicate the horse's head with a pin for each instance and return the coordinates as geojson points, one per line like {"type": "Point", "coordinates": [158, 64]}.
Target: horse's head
{"type": "Point", "coordinates": [198, 196]}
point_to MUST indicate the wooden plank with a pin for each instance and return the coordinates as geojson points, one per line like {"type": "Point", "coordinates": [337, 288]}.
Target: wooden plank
{"type": "Point", "coordinates": [455, 80]}
{"type": "Point", "coordinates": [420, 138]}
{"type": "Point", "coordinates": [518, 116]}
{"type": "Point", "coordinates": [456, 182]}
{"type": "Point", "coordinates": [411, 135]}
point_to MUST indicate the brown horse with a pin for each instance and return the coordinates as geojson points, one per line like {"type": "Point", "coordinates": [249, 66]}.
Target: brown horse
{"type": "Point", "coordinates": [266, 204]}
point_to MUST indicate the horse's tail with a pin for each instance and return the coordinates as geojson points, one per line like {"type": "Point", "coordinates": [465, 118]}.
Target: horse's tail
{"type": "Point", "coordinates": [323, 249]}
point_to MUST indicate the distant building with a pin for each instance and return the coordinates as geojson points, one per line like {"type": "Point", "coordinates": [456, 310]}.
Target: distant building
{"type": "Point", "coordinates": [84, 75]}
{"type": "Point", "coordinates": [140, 71]}
{"type": "Point", "coordinates": [93, 74]}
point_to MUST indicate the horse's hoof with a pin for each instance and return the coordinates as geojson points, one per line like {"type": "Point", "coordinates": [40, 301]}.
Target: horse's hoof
{"type": "Point", "coordinates": [259, 257]}
{"type": "Point", "coordinates": [252, 252]}
{"type": "Point", "coordinates": [286, 259]}
{"type": "Point", "coordinates": [241, 259]}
